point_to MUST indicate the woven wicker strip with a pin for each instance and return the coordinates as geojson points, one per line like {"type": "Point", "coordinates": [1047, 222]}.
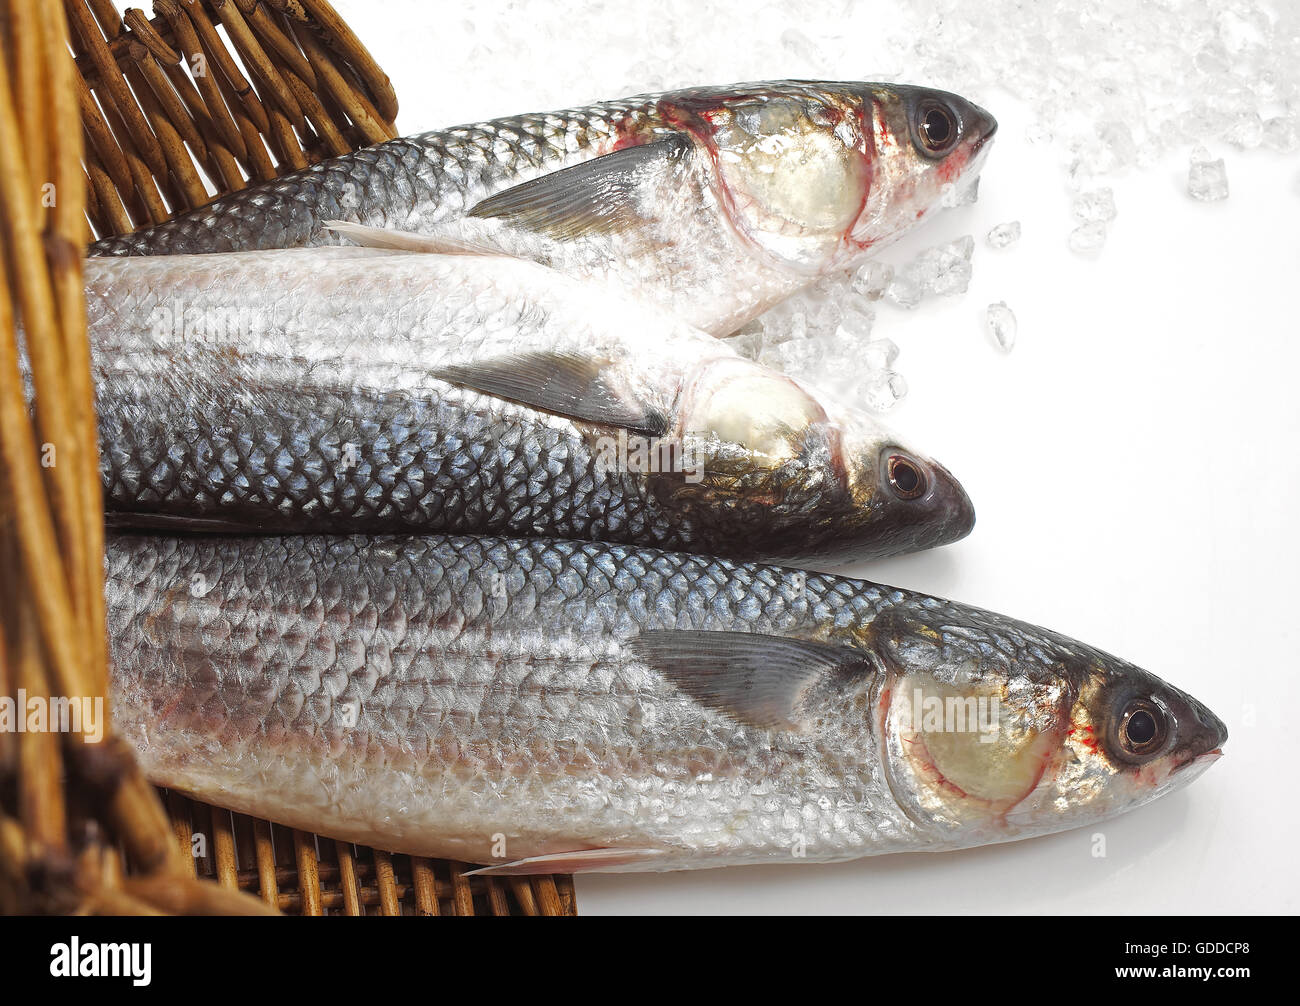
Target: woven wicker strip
{"type": "Point", "coordinates": [154, 116]}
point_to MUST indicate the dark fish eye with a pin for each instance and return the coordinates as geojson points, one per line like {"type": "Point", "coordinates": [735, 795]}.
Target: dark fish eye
{"type": "Point", "coordinates": [936, 127]}
{"type": "Point", "coordinates": [1142, 728]}
{"type": "Point", "coordinates": [905, 477]}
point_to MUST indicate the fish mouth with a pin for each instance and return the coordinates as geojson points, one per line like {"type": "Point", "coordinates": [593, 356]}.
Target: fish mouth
{"type": "Point", "coordinates": [987, 127]}
{"type": "Point", "coordinates": [1204, 760]}
{"type": "Point", "coordinates": [1192, 768]}
{"type": "Point", "coordinates": [1205, 735]}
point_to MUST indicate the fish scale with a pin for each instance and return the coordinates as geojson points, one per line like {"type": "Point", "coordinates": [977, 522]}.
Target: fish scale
{"type": "Point", "coordinates": [436, 694]}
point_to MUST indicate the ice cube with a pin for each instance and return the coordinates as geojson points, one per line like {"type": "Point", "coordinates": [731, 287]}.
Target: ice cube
{"type": "Point", "coordinates": [1206, 178]}
{"type": "Point", "coordinates": [947, 268]}
{"type": "Point", "coordinates": [1280, 134]}
{"type": "Point", "coordinates": [939, 271]}
{"type": "Point", "coordinates": [953, 277]}
{"type": "Point", "coordinates": [1097, 204]}
{"type": "Point", "coordinates": [1000, 321]}
{"type": "Point", "coordinates": [1247, 132]}
{"type": "Point", "coordinates": [873, 279]}
{"type": "Point", "coordinates": [953, 195]}
{"type": "Point", "coordinates": [904, 291]}
{"type": "Point", "coordinates": [800, 357]}
{"type": "Point", "coordinates": [1212, 59]}
{"type": "Point", "coordinates": [1004, 235]}
{"type": "Point", "coordinates": [878, 355]}
{"type": "Point", "coordinates": [748, 342]}
{"type": "Point", "coordinates": [1117, 147]}
{"type": "Point", "coordinates": [824, 312]}
{"type": "Point", "coordinates": [883, 391]}
{"type": "Point", "coordinates": [1079, 173]}
{"type": "Point", "coordinates": [1087, 239]}
{"type": "Point", "coordinates": [857, 319]}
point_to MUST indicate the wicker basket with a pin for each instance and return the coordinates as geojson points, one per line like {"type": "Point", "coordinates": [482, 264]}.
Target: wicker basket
{"type": "Point", "coordinates": [151, 117]}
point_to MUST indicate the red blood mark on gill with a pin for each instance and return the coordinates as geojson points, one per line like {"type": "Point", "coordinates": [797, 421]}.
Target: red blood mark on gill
{"type": "Point", "coordinates": [632, 131]}
{"type": "Point", "coordinates": [920, 755]}
{"type": "Point", "coordinates": [867, 156]}
{"type": "Point", "coordinates": [839, 463]}
{"type": "Point", "coordinates": [694, 122]}
{"type": "Point", "coordinates": [1088, 736]}
{"type": "Point", "coordinates": [686, 115]}
{"type": "Point", "coordinates": [951, 167]}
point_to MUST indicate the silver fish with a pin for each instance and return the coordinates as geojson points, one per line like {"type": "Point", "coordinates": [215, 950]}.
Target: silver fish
{"type": "Point", "coordinates": [548, 706]}
{"type": "Point", "coordinates": [352, 390]}
{"type": "Point", "coordinates": [715, 203]}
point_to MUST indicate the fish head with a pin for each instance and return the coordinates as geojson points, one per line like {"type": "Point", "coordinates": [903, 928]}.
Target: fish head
{"type": "Point", "coordinates": [814, 173]}
{"type": "Point", "coordinates": [924, 141]}
{"type": "Point", "coordinates": [799, 479]}
{"type": "Point", "coordinates": [907, 501]}
{"type": "Point", "coordinates": [994, 730]}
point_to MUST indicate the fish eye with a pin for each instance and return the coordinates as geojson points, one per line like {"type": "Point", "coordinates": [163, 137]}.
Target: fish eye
{"type": "Point", "coordinates": [936, 127]}
{"type": "Point", "coordinates": [1142, 728]}
{"type": "Point", "coordinates": [905, 477]}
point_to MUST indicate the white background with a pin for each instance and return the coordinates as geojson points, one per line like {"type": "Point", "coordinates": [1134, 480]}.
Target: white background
{"type": "Point", "coordinates": [1133, 463]}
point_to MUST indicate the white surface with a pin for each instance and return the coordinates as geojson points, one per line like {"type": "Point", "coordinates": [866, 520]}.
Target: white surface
{"type": "Point", "coordinates": [1133, 463]}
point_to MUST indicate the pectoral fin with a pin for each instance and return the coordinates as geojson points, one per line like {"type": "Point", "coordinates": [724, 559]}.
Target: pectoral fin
{"type": "Point", "coordinates": [436, 243]}
{"type": "Point", "coordinates": [758, 679]}
{"type": "Point", "coordinates": [579, 861]}
{"type": "Point", "coordinates": [566, 384]}
{"type": "Point", "coordinates": [598, 196]}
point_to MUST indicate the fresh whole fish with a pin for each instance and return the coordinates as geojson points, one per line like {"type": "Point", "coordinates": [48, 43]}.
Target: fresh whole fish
{"type": "Point", "coordinates": [357, 390]}
{"type": "Point", "coordinates": [565, 706]}
{"type": "Point", "coordinates": [714, 202]}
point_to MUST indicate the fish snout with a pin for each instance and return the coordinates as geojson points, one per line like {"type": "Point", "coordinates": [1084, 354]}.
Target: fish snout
{"type": "Point", "coordinates": [954, 504]}
{"type": "Point", "coordinates": [982, 126]}
{"type": "Point", "coordinates": [1200, 731]}
{"type": "Point", "coordinates": [924, 504]}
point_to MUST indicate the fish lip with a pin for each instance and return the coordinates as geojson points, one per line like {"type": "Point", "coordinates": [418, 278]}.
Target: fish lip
{"type": "Point", "coordinates": [1205, 737]}
{"type": "Point", "coordinates": [989, 129]}
{"type": "Point", "coordinates": [1205, 759]}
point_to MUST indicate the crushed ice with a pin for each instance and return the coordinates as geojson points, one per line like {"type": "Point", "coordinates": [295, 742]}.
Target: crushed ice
{"type": "Point", "coordinates": [825, 334]}
{"type": "Point", "coordinates": [936, 272]}
{"type": "Point", "coordinates": [1111, 86]}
